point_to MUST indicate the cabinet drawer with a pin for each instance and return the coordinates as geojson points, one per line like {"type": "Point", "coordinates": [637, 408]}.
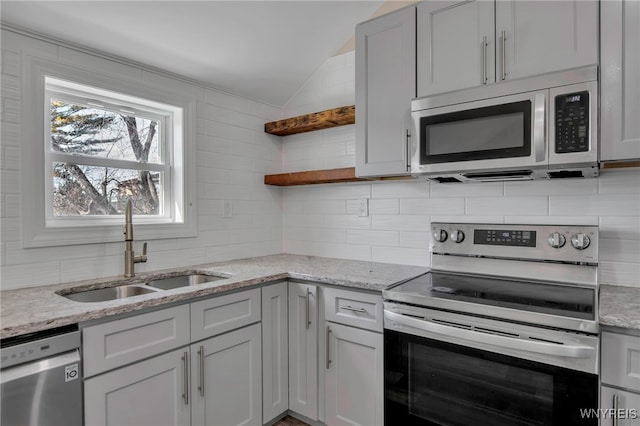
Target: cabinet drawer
{"type": "Point", "coordinates": [116, 343]}
{"type": "Point", "coordinates": [221, 314]}
{"type": "Point", "coordinates": [621, 360]}
{"type": "Point", "coordinates": [353, 308]}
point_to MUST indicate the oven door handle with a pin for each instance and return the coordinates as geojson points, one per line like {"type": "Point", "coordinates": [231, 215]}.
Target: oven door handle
{"type": "Point", "coordinates": [400, 321]}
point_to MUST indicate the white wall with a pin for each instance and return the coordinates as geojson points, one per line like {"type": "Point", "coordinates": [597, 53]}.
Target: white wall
{"type": "Point", "coordinates": [233, 154]}
{"type": "Point", "coordinates": [323, 220]}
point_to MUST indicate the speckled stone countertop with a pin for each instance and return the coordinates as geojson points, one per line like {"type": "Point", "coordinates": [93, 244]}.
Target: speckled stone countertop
{"type": "Point", "coordinates": [39, 308]}
{"type": "Point", "coordinates": [620, 307]}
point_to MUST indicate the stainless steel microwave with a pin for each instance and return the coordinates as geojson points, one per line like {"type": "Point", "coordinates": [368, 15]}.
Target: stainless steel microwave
{"type": "Point", "coordinates": [542, 127]}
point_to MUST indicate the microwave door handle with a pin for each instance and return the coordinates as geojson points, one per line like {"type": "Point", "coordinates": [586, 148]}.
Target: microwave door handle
{"type": "Point", "coordinates": [539, 125]}
{"type": "Point", "coordinates": [533, 346]}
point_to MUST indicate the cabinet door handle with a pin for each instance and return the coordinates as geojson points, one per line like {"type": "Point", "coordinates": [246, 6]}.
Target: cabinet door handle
{"type": "Point", "coordinates": [185, 389]}
{"type": "Point", "coordinates": [485, 73]}
{"type": "Point", "coordinates": [351, 308]}
{"type": "Point", "coordinates": [407, 136]}
{"type": "Point", "coordinates": [201, 384]}
{"type": "Point", "coordinates": [308, 317]}
{"type": "Point", "coordinates": [616, 401]}
{"type": "Point", "coordinates": [504, 50]}
{"type": "Point", "coordinates": [328, 351]}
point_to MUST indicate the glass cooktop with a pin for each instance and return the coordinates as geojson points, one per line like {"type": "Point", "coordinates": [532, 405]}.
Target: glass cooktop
{"type": "Point", "coordinates": [451, 291]}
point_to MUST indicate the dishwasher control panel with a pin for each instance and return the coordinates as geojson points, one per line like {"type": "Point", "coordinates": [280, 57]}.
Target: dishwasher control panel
{"type": "Point", "coordinates": [24, 350]}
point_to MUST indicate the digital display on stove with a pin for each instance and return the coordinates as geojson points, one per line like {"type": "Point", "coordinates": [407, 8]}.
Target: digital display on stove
{"type": "Point", "coordinates": [493, 237]}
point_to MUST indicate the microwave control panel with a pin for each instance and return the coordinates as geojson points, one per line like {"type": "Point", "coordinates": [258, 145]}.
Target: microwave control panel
{"type": "Point", "coordinates": [572, 122]}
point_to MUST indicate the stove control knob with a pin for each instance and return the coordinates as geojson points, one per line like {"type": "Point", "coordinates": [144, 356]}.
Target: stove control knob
{"type": "Point", "coordinates": [556, 240]}
{"type": "Point", "coordinates": [580, 241]}
{"type": "Point", "coordinates": [440, 235]}
{"type": "Point", "coordinates": [457, 236]}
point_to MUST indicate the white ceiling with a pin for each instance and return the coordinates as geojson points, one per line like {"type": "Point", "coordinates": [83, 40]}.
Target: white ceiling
{"type": "Point", "coordinates": [263, 50]}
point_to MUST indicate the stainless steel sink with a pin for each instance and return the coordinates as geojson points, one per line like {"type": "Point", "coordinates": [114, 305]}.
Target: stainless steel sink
{"type": "Point", "coordinates": [183, 281]}
{"type": "Point", "coordinates": [110, 293]}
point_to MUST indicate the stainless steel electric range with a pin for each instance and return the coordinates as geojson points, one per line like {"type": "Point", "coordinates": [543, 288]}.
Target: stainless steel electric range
{"type": "Point", "coordinates": [501, 331]}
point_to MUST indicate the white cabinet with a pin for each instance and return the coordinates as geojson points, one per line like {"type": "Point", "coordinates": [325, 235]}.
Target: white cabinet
{"type": "Point", "coordinates": [624, 404]}
{"type": "Point", "coordinates": [226, 375]}
{"type": "Point", "coordinates": [303, 349]}
{"type": "Point", "coordinates": [353, 360]}
{"type": "Point", "coordinates": [620, 80]}
{"type": "Point", "coordinates": [151, 392]}
{"type": "Point", "coordinates": [275, 351]}
{"type": "Point", "coordinates": [467, 44]}
{"type": "Point", "coordinates": [456, 45]}
{"type": "Point", "coordinates": [353, 376]}
{"type": "Point", "coordinates": [620, 378]}
{"type": "Point", "coordinates": [217, 380]}
{"type": "Point", "coordinates": [385, 85]}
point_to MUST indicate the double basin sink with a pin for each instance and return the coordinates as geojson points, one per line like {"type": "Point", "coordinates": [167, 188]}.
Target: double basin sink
{"type": "Point", "coordinates": [151, 286]}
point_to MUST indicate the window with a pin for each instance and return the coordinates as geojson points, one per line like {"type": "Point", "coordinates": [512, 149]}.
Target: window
{"type": "Point", "coordinates": [104, 148]}
{"type": "Point", "coordinates": [104, 142]}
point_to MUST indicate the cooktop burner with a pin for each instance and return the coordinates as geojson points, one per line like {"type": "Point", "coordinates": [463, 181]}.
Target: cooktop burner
{"type": "Point", "coordinates": [434, 288]}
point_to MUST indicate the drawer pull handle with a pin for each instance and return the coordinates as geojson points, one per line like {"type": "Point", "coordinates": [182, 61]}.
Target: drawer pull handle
{"type": "Point", "coordinates": [351, 308]}
{"type": "Point", "coordinates": [615, 409]}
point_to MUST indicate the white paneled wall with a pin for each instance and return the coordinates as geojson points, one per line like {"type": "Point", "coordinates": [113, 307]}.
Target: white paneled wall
{"type": "Point", "coordinates": [323, 220]}
{"type": "Point", "coordinates": [233, 154]}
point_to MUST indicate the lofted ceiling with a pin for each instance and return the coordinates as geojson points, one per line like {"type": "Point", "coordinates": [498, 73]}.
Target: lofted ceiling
{"type": "Point", "coordinates": [262, 50]}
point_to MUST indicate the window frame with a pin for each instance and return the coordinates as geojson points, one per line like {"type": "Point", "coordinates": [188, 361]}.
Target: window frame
{"type": "Point", "coordinates": [40, 227]}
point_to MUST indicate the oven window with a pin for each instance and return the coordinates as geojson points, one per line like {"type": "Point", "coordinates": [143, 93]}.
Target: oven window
{"type": "Point", "coordinates": [428, 382]}
{"type": "Point", "coordinates": [498, 131]}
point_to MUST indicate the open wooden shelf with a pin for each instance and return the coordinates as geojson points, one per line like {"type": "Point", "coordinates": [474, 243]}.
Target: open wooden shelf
{"type": "Point", "coordinates": [335, 117]}
{"type": "Point", "coordinates": [347, 174]}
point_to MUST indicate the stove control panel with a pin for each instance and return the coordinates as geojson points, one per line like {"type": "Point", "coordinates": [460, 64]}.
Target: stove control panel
{"type": "Point", "coordinates": [564, 243]}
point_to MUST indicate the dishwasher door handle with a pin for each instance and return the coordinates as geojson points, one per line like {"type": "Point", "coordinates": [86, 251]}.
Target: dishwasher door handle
{"type": "Point", "coordinates": [35, 367]}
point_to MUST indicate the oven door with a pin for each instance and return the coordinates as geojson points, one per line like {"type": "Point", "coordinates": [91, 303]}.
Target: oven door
{"type": "Point", "coordinates": [491, 134]}
{"type": "Point", "coordinates": [431, 381]}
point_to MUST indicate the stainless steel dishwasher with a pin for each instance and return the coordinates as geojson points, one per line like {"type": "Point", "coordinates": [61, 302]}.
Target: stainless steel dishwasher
{"type": "Point", "coordinates": [41, 379]}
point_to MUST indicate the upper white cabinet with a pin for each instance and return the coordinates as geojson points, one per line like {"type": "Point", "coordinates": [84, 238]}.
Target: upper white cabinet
{"type": "Point", "coordinates": [385, 85]}
{"type": "Point", "coordinates": [467, 44]}
{"type": "Point", "coordinates": [620, 80]}
{"type": "Point", "coordinates": [456, 45]}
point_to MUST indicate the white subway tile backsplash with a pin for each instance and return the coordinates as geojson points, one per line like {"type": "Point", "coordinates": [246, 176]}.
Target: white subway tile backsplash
{"type": "Point", "coordinates": [21, 276]}
{"type": "Point", "coordinates": [595, 205]}
{"type": "Point", "coordinates": [384, 206]}
{"type": "Point", "coordinates": [328, 235]}
{"type": "Point", "coordinates": [625, 181]}
{"type": "Point", "coordinates": [619, 273]}
{"type": "Point", "coordinates": [620, 227]}
{"type": "Point", "coordinates": [401, 223]}
{"type": "Point", "coordinates": [373, 237]}
{"type": "Point", "coordinates": [552, 220]}
{"type": "Point", "coordinates": [401, 255]}
{"type": "Point", "coordinates": [415, 239]}
{"type": "Point", "coordinates": [346, 221]}
{"type": "Point", "coordinates": [404, 189]}
{"type": "Point", "coordinates": [508, 206]}
{"type": "Point", "coordinates": [431, 206]}
{"type": "Point", "coordinates": [619, 250]}
{"type": "Point", "coordinates": [492, 189]}
{"type": "Point", "coordinates": [551, 187]}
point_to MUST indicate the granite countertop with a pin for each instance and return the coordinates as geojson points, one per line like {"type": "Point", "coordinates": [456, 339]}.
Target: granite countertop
{"type": "Point", "coordinates": [620, 307]}
{"type": "Point", "coordinates": [39, 308]}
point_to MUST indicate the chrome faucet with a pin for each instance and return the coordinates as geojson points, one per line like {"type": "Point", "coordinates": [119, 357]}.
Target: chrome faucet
{"type": "Point", "coordinates": [130, 257]}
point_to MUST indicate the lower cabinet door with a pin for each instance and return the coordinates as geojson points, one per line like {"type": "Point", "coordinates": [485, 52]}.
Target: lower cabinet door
{"type": "Point", "coordinates": [152, 392]}
{"type": "Point", "coordinates": [353, 376]}
{"type": "Point", "coordinates": [226, 376]}
{"type": "Point", "coordinates": [619, 408]}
